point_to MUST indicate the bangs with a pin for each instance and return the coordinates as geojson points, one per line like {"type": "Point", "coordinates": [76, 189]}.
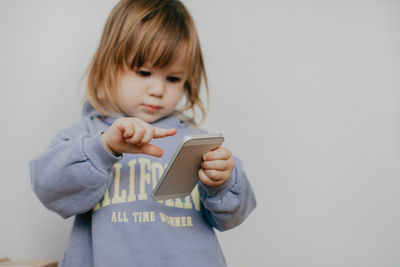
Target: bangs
{"type": "Point", "coordinates": [160, 37]}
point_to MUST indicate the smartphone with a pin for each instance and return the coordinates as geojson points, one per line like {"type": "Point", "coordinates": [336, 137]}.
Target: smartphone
{"type": "Point", "coordinates": [181, 174]}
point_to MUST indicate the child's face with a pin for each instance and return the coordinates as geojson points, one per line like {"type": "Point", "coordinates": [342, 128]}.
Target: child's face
{"type": "Point", "coordinates": [151, 93]}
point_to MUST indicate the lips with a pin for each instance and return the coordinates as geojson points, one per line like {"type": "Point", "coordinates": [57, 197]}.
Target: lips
{"type": "Point", "coordinates": [151, 108]}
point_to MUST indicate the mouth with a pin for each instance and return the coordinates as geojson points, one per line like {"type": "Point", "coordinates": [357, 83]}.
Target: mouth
{"type": "Point", "coordinates": [151, 108]}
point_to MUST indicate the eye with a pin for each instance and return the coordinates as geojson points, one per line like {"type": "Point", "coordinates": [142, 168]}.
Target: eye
{"type": "Point", "coordinates": [143, 73]}
{"type": "Point", "coordinates": [173, 79]}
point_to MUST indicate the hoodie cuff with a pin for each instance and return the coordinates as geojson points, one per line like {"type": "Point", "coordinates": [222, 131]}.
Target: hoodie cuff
{"type": "Point", "coordinates": [216, 192]}
{"type": "Point", "coordinates": [97, 154]}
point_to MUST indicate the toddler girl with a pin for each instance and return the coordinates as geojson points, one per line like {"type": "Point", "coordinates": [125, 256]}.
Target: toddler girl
{"type": "Point", "coordinates": [103, 168]}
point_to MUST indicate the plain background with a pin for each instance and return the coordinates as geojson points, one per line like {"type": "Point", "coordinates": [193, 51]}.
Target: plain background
{"type": "Point", "coordinates": [307, 94]}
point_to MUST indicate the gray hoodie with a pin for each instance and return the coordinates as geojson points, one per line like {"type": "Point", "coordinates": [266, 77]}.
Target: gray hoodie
{"type": "Point", "coordinates": [117, 223]}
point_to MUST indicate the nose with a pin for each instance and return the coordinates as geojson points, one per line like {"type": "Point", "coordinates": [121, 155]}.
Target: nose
{"type": "Point", "coordinates": [156, 88]}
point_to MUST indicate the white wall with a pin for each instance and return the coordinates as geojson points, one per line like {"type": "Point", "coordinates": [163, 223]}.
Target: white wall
{"type": "Point", "coordinates": [306, 92]}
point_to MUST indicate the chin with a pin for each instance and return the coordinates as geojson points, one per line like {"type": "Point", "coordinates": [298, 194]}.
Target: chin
{"type": "Point", "coordinates": [149, 118]}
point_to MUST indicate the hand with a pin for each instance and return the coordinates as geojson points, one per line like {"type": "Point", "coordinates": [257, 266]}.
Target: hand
{"type": "Point", "coordinates": [133, 135]}
{"type": "Point", "coordinates": [217, 167]}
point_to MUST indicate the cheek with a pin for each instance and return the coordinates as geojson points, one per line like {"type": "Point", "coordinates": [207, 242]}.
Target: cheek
{"type": "Point", "coordinates": [177, 92]}
{"type": "Point", "coordinates": [127, 99]}
{"type": "Point", "coordinates": [130, 90]}
{"type": "Point", "coordinates": [174, 97]}
{"type": "Point", "coordinates": [130, 86]}
{"type": "Point", "coordinates": [179, 95]}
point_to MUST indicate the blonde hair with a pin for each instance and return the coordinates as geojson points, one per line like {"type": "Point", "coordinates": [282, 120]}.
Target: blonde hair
{"type": "Point", "coordinates": [139, 31]}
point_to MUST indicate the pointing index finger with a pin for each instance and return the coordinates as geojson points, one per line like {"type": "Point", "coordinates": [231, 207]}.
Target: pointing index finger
{"type": "Point", "coordinates": [161, 132]}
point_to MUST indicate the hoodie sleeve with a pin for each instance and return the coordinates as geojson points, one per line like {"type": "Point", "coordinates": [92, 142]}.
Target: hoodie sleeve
{"type": "Point", "coordinates": [228, 205]}
{"type": "Point", "coordinates": [72, 175]}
